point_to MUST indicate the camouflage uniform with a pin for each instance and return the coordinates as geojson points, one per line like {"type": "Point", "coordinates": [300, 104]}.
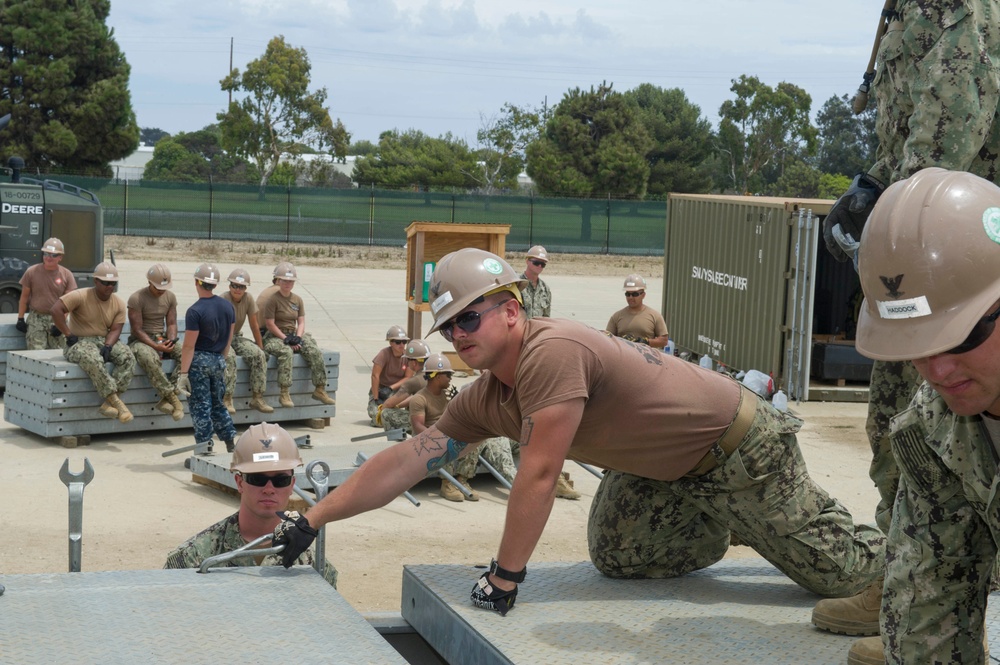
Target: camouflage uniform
{"type": "Point", "coordinates": [224, 537]}
{"type": "Point", "coordinates": [87, 354]}
{"type": "Point", "coordinates": [208, 412]}
{"type": "Point", "coordinates": [495, 450]}
{"type": "Point", "coordinates": [537, 298]}
{"type": "Point", "coordinates": [942, 539]}
{"type": "Point", "coordinates": [762, 492]}
{"type": "Point", "coordinates": [309, 351]}
{"type": "Point", "coordinates": [397, 419]}
{"type": "Point", "coordinates": [150, 360]}
{"type": "Point", "coordinates": [38, 336]}
{"type": "Point", "coordinates": [255, 359]}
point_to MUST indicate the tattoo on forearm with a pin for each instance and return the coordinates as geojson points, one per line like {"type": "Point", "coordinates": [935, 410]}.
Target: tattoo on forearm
{"type": "Point", "coordinates": [442, 449]}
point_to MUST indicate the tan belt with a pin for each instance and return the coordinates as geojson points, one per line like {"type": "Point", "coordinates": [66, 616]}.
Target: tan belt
{"type": "Point", "coordinates": [733, 436]}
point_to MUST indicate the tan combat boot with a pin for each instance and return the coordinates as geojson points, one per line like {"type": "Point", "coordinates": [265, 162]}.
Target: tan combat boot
{"type": "Point", "coordinates": [124, 415]}
{"type": "Point", "coordinates": [866, 651]}
{"type": "Point", "coordinates": [856, 615]}
{"type": "Point", "coordinates": [165, 406]}
{"type": "Point", "coordinates": [450, 492]}
{"type": "Point", "coordinates": [320, 395]}
{"type": "Point", "coordinates": [564, 488]}
{"type": "Point", "coordinates": [285, 399]}
{"type": "Point", "coordinates": [257, 402]}
{"type": "Point", "coordinates": [228, 401]}
{"type": "Point", "coordinates": [473, 495]}
{"type": "Point", "coordinates": [177, 412]}
{"type": "Point", "coordinates": [107, 410]}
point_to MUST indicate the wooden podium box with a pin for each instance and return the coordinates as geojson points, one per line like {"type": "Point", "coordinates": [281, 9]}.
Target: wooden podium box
{"type": "Point", "coordinates": [427, 242]}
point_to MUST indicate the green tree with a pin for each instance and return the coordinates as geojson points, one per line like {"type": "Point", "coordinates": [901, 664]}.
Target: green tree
{"type": "Point", "coordinates": [413, 159]}
{"type": "Point", "coordinates": [799, 180]}
{"type": "Point", "coordinates": [278, 111]}
{"type": "Point", "coordinates": [362, 148]}
{"type": "Point", "coordinates": [594, 145]}
{"type": "Point", "coordinates": [847, 142]}
{"type": "Point", "coordinates": [503, 140]}
{"type": "Point", "coordinates": [682, 141]}
{"type": "Point", "coordinates": [150, 135]}
{"type": "Point", "coordinates": [763, 128]}
{"type": "Point", "coordinates": [195, 157]}
{"type": "Point", "coordinates": [64, 81]}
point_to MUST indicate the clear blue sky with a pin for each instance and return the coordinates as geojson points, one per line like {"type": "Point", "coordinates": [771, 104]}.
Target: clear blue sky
{"type": "Point", "coordinates": [440, 65]}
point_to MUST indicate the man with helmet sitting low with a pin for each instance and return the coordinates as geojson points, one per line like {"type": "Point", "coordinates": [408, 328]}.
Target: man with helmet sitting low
{"type": "Point", "coordinates": [389, 370]}
{"type": "Point", "coordinates": [284, 317]}
{"type": "Point", "coordinates": [692, 456]}
{"type": "Point", "coordinates": [252, 352]}
{"type": "Point", "coordinates": [394, 413]}
{"type": "Point", "coordinates": [208, 330]}
{"type": "Point", "coordinates": [152, 315]}
{"type": "Point", "coordinates": [263, 466]}
{"type": "Point", "coordinates": [929, 265]}
{"type": "Point", "coordinates": [96, 319]}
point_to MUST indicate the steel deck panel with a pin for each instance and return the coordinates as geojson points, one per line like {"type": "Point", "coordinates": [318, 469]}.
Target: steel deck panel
{"type": "Point", "coordinates": [736, 611]}
{"type": "Point", "coordinates": [230, 615]}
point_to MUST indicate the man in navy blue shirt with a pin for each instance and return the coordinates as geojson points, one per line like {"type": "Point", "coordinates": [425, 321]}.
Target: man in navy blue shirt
{"type": "Point", "coordinates": [208, 332]}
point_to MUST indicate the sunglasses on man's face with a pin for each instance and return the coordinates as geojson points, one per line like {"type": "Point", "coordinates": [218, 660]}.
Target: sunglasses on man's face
{"type": "Point", "coordinates": [980, 333]}
{"type": "Point", "coordinates": [398, 341]}
{"type": "Point", "coordinates": [467, 321]}
{"type": "Point", "coordinates": [238, 287]}
{"type": "Point", "coordinates": [49, 255]}
{"type": "Point", "coordinates": [538, 264]}
{"type": "Point", "coordinates": [102, 282]}
{"type": "Point", "coordinates": [634, 294]}
{"type": "Point", "coordinates": [261, 479]}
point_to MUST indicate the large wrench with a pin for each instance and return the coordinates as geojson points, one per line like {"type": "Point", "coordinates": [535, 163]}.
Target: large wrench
{"type": "Point", "coordinates": [76, 482]}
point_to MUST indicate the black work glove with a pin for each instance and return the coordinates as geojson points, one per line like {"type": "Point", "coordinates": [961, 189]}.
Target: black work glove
{"type": "Point", "coordinates": [71, 340]}
{"type": "Point", "coordinates": [293, 340]}
{"type": "Point", "coordinates": [488, 597]}
{"type": "Point", "coordinates": [295, 533]}
{"type": "Point", "coordinates": [106, 353]}
{"type": "Point", "coordinates": [851, 212]}
{"type": "Point", "coordinates": [21, 325]}
{"type": "Point", "coordinates": [54, 330]}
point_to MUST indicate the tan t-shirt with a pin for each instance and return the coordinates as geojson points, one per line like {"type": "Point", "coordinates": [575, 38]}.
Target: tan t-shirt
{"type": "Point", "coordinates": [414, 384]}
{"type": "Point", "coordinates": [90, 316]}
{"type": "Point", "coordinates": [284, 311]}
{"type": "Point", "coordinates": [153, 310]}
{"type": "Point", "coordinates": [427, 404]}
{"type": "Point", "coordinates": [646, 413]}
{"type": "Point", "coordinates": [244, 308]}
{"type": "Point", "coordinates": [648, 323]}
{"type": "Point", "coordinates": [393, 368]}
{"type": "Point", "coordinates": [46, 286]}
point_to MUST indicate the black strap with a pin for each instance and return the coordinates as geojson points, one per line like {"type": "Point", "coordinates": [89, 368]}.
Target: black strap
{"type": "Point", "coordinates": [508, 575]}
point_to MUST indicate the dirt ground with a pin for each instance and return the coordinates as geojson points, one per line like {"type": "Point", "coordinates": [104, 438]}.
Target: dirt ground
{"type": "Point", "coordinates": [140, 504]}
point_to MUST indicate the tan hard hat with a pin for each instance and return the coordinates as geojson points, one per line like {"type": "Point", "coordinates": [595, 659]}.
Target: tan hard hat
{"type": "Point", "coordinates": [929, 264]}
{"type": "Point", "coordinates": [53, 246]}
{"type": "Point", "coordinates": [208, 273]}
{"type": "Point", "coordinates": [159, 276]}
{"type": "Point", "coordinates": [285, 270]}
{"type": "Point", "coordinates": [417, 349]}
{"type": "Point", "coordinates": [461, 277]}
{"type": "Point", "coordinates": [396, 332]}
{"type": "Point", "coordinates": [265, 447]}
{"type": "Point", "coordinates": [538, 252]}
{"type": "Point", "coordinates": [240, 276]}
{"type": "Point", "coordinates": [106, 271]}
{"type": "Point", "coordinates": [634, 283]}
{"type": "Point", "coordinates": [437, 362]}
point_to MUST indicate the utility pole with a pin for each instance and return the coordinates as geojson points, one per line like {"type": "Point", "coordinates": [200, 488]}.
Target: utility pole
{"type": "Point", "coordinates": [230, 72]}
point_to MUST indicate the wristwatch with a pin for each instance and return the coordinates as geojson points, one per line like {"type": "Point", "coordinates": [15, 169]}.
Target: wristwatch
{"type": "Point", "coordinates": [508, 575]}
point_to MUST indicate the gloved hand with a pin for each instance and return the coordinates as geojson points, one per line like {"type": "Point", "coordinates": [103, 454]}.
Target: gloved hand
{"type": "Point", "coordinates": [488, 597]}
{"type": "Point", "coordinates": [106, 353]}
{"type": "Point", "coordinates": [293, 340]}
{"type": "Point", "coordinates": [634, 338]}
{"type": "Point", "coordinates": [295, 533]}
{"type": "Point", "coordinates": [22, 325]}
{"type": "Point", "coordinates": [184, 384]}
{"type": "Point", "coordinates": [851, 212]}
{"type": "Point", "coordinates": [53, 330]}
{"type": "Point", "coordinates": [71, 340]}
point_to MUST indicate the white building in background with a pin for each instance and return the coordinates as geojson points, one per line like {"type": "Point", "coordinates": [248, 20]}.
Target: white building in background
{"type": "Point", "coordinates": [133, 166]}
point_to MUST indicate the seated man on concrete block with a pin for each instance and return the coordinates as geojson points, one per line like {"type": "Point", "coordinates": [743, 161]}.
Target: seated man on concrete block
{"type": "Point", "coordinates": [252, 352]}
{"type": "Point", "coordinates": [263, 465]}
{"type": "Point", "coordinates": [394, 412]}
{"type": "Point", "coordinates": [96, 318]}
{"type": "Point", "coordinates": [41, 285]}
{"type": "Point", "coordinates": [152, 316]}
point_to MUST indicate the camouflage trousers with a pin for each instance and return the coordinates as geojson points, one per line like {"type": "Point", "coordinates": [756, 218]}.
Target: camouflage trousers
{"type": "Point", "coordinates": [396, 419]}
{"type": "Point", "coordinates": [208, 413]}
{"type": "Point", "coordinates": [384, 392]}
{"type": "Point", "coordinates": [310, 352]}
{"type": "Point", "coordinates": [38, 336]}
{"type": "Point", "coordinates": [496, 451]}
{"type": "Point", "coordinates": [643, 528]}
{"type": "Point", "coordinates": [256, 362]}
{"type": "Point", "coordinates": [87, 354]}
{"type": "Point", "coordinates": [150, 361]}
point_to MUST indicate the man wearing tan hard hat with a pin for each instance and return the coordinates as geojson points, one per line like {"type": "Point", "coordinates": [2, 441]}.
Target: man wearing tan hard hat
{"type": "Point", "coordinates": [152, 317]}
{"type": "Point", "coordinates": [41, 285]}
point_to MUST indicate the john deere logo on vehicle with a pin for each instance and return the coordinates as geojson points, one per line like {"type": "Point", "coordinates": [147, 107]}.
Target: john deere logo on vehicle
{"type": "Point", "coordinates": [21, 209]}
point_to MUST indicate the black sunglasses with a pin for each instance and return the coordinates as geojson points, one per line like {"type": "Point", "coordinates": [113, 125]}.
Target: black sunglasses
{"type": "Point", "coordinates": [398, 341]}
{"type": "Point", "coordinates": [538, 264]}
{"type": "Point", "coordinates": [49, 255]}
{"type": "Point", "coordinates": [634, 294]}
{"type": "Point", "coordinates": [238, 287]}
{"type": "Point", "coordinates": [102, 282]}
{"type": "Point", "coordinates": [467, 321]}
{"type": "Point", "coordinates": [980, 333]}
{"type": "Point", "coordinates": [260, 479]}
